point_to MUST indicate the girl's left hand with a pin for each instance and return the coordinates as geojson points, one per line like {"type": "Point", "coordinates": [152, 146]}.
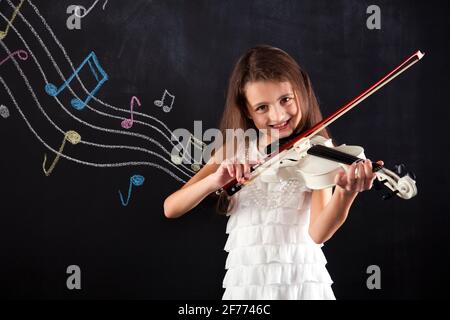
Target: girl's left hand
{"type": "Point", "coordinates": [358, 178]}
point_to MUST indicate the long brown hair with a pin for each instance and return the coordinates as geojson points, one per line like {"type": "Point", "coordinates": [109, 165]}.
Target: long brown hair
{"type": "Point", "coordinates": [266, 63]}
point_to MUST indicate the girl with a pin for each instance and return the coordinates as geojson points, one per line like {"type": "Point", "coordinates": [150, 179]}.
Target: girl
{"type": "Point", "coordinates": [276, 225]}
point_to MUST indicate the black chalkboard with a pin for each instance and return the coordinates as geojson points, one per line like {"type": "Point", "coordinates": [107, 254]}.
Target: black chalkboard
{"type": "Point", "coordinates": [126, 248]}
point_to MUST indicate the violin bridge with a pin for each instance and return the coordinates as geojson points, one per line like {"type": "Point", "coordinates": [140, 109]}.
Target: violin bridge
{"type": "Point", "coordinates": [302, 147]}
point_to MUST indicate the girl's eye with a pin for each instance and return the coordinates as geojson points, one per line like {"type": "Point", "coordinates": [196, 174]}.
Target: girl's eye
{"type": "Point", "coordinates": [261, 108]}
{"type": "Point", "coordinates": [286, 100]}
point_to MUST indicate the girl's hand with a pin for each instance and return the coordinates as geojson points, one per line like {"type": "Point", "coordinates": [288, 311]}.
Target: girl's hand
{"type": "Point", "coordinates": [230, 169]}
{"type": "Point", "coordinates": [358, 178]}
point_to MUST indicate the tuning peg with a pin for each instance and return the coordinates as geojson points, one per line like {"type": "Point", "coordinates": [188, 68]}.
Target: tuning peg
{"type": "Point", "coordinates": [400, 169]}
{"type": "Point", "coordinates": [389, 195]}
{"type": "Point", "coordinates": [412, 175]}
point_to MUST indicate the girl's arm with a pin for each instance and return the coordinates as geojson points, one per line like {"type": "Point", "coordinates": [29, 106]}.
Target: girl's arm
{"type": "Point", "coordinates": [327, 219]}
{"type": "Point", "coordinates": [192, 193]}
{"type": "Point", "coordinates": [210, 178]}
{"type": "Point", "coordinates": [329, 212]}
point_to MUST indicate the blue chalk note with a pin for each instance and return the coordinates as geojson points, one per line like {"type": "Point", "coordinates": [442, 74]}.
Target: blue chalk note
{"type": "Point", "coordinates": [92, 61]}
{"type": "Point", "coordinates": [135, 180]}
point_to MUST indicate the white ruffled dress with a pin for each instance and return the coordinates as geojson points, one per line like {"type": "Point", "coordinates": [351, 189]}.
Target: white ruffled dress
{"type": "Point", "coordinates": [270, 253]}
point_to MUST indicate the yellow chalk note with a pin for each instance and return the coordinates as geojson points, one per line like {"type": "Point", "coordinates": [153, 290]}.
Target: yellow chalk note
{"type": "Point", "coordinates": [73, 137]}
{"type": "Point", "coordinates": [4, 33]}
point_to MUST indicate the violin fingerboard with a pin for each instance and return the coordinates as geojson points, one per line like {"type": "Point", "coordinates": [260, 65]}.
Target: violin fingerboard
{"type": "Point", "coordinates": [338, 156]}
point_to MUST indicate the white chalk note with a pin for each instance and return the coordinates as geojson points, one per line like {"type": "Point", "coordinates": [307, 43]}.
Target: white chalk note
{"type": "Point", "coordinates": [162, 103]}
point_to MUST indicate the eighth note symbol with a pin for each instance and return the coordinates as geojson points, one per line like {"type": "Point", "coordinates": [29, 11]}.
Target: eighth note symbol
{"type": "Point", "coordinates": [136, 180]}
{"type": "Point", "coordinates": [128, 123]}
{"type": "Point", "coordinates": [199, 144]}
{"type": "Point", "coordinates": [160, 103]}
{"type": "Point", "coordinates": [73, 137]}
{"type": "Point", "coordinates": [53, 91]}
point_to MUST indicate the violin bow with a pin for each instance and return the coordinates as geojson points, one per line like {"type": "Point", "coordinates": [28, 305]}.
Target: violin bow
{"type": "Point", "coordinates": [295, 140]}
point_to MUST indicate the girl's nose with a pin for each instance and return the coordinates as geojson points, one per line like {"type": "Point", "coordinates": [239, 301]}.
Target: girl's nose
{"type": "Point", "coordinates": [276, 114]}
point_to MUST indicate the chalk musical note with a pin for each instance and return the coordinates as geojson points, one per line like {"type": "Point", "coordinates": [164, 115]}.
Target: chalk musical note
{"type": "Point", "coordinates": [128, 123]}
{"type": "Point", "coordinates": [200, 145]}
{"type": "Point", "coordinates": [178, 154]}
{"type": "Point", "coordinates": [73, 137]}
{"type": "Point", "coordinates": [16, 10]}
{"type": "Point", "coordinates": [21, 54]}
{"type": "Point", "coordinates": [53, 91]}
{"type": "Point", "coordinates": [160, 103]}
{"type": "Point", "coordinates": [89, 10]}
{"type": "Point", "coordinates": [178, 158]}
{"type": "Point", "coordinates": [137, 181]}
{"type": "Point", "coordinates": [4, 112]}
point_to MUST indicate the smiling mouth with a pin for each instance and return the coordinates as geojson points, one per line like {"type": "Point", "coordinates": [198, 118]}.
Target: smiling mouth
{"type": "Point", "coordinates": [281, 126]}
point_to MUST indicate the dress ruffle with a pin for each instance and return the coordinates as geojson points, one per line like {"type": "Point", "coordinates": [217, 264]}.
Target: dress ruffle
{"type": "Point", "coordinates": [286, 253]}
{"type": "Point", "coordinates": [304, 291]}
{"type": "Point", "coordinates": [276, 273]}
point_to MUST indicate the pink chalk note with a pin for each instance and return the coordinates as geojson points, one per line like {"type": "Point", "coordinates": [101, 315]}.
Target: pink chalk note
{"type": "Point", "coordinates": [21, 54]}
{"type": "Point", "coordinates": [128, 123]}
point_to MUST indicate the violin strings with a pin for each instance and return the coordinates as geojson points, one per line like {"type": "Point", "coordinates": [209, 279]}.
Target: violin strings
{"type": "Point", "coordinates": [336, 155]}
{"type": "Point", "coordinates": [331, 154]}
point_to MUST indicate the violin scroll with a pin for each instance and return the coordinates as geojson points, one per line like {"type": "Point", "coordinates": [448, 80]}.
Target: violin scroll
{"type": "Point", "coordinates": [401, 183]}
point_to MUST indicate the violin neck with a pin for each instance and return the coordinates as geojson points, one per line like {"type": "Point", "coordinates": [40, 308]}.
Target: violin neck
{"type": "Point", "coordinates": [338, 156]}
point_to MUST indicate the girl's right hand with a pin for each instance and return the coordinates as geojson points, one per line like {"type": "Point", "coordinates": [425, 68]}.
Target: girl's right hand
{"type": "Point", "coordinates": [230, 169]}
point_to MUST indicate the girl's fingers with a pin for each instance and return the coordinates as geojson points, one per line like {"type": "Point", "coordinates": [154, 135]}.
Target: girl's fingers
{"type": "Point", "coordinates": [230, 168]}
{"type": "Point", "coordinates": [239, 170]}
{"type": "Point", "coordinates": [246, 170]}
{"type": "Point", "coordinates": [351, 178]}
{"type": "Point", "coordinates": [368, 168]}
{"type": "Point", "coordinates": [340, 180]}
{"type": "Point", "coordinates": [370, 175]}
{"type": "Point", "coordinates": [361, 177]}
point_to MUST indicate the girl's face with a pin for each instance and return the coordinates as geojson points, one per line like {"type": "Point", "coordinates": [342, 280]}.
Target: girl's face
{"type": "Point", "coordinates": [272, 106]}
